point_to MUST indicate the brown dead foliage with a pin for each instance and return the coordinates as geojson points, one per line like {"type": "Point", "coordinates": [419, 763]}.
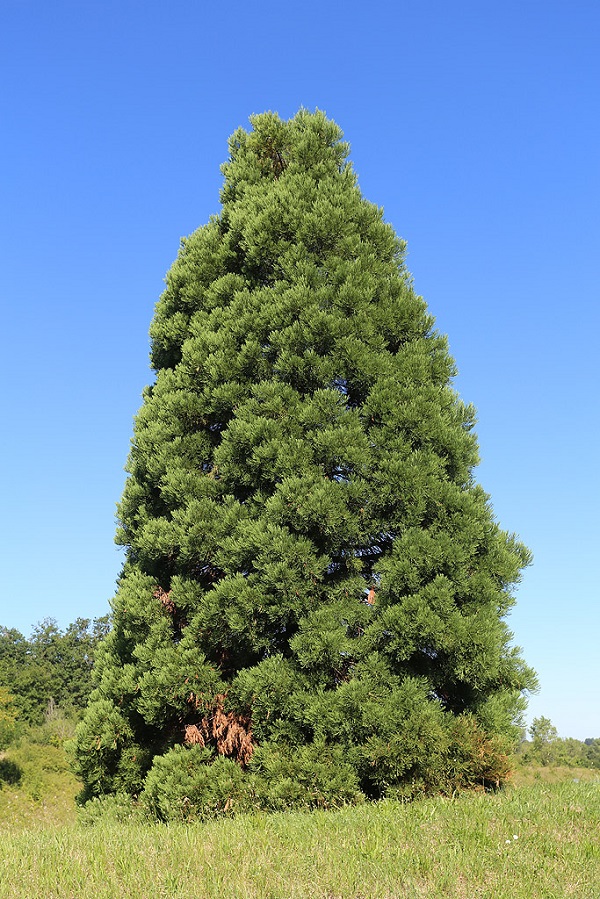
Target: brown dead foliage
{"type": "Point", "coordinates": [231, 734]}
{"type": "Point", "coordinates": [193, 737]}
{"type": "Point", "coordinates": [165, 599]}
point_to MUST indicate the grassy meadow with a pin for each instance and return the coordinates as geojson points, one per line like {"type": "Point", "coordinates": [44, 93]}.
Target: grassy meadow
{"type": "Point", "coordinates": [538, 838]}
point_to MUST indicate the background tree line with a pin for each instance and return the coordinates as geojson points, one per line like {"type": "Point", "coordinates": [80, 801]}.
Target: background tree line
{"type": "Point", "coordinates": [545, 747]}
{"type": "Point", "coordinates": [47, 675]}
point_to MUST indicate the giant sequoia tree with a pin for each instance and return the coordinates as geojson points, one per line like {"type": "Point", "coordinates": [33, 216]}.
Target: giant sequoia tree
{"type": "Point", "coordinates": [312, 605]}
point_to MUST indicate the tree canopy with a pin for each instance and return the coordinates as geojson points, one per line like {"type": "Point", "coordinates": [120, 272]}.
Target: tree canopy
{"type": "Point", "coordinates": [312, 608]}
{"type": "Point", "coordinates": [50, 666]}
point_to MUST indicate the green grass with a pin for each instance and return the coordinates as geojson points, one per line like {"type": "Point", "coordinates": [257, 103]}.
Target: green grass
{"type": "Point", "coordinates": [527, 775]}
{"type": "Point", "coordinates": [461, 848]}
{"type": "Point", "coordinates": [44, 795]}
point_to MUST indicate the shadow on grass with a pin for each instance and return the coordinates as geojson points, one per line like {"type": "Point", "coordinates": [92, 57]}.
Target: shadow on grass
{"type": "Point", "coordinates": [10, 772]}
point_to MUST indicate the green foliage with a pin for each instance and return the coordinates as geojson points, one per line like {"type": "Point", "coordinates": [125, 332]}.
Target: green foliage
{"type": "Point", "coordinates": [108, 759]}
{"type": "Point", "coordinates": [8, 717]}
{"type": "Point", "coordinates": [10, 772]}
{"type": "Point", "coordinates": [548, 749]}
{"type": "Point", "coordinates": [314, 776]}
{"type": "Point", "coordinates": [57, 727]}
{"type": "Point", "coordinates": [190, 784]}
{"type": "Point", "coordinates": [37, 787]}
{"type": "Point", "coordinates": [111, 809]}
{"type": "Point", "coordinates": [542, 731]}
{"type": "Point", "coordinates": [312, 572]}
{"type": "Point", "coordinates": [182, 786]}
{"type": "Point", "coordinates": [592, 752]}
{"type": "Point", "coordinates": [50, 669]}
{"type": "Point", "coordinates": [39, 769]}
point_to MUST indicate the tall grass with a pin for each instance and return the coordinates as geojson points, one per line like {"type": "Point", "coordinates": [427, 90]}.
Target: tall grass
{"type": "Point", "coordinates": [531, 842]}
{"type": "Point", "coordinates": [37, 788]}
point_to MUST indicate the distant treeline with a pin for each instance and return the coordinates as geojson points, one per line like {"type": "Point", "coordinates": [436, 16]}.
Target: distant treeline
{"type": "Point", "coordinates": [546, 748]}
{"type": "Point", "coordinates": [570, 752]}
{"type": "Point", "coordinates": [51, 668]}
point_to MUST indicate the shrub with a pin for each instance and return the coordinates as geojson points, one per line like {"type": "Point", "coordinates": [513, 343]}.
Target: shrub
{"type": "Point", "coordinates": [187, 784]}
{"type": "Point", "coordinates": [10, 772]}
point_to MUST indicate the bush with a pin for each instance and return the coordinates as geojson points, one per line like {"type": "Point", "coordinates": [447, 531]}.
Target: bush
{"type": "Point", "coordinates": [10, 772]}
{"type": "Point", "coordinates": [116, 808]}
{"type": "Point", "coordinates": [477, 759]}
{"type": "Point", "coordinates": [314, 776]}
{"type": "Point", "coordinates": [8, 724]}
{"type": "Point", "coordinates": [183, 785]}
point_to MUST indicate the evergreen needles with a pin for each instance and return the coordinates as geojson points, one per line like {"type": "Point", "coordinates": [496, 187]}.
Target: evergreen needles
{"type": "Point", "coordinates": [314, 595]}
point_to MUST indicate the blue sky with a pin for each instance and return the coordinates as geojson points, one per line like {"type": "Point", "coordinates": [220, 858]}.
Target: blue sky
{"type": "Point", "coordinates": [475, 125]}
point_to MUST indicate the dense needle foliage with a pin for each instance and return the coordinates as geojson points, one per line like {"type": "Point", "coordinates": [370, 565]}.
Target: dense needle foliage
{"type": "Point", "coordinates": [312, 607]}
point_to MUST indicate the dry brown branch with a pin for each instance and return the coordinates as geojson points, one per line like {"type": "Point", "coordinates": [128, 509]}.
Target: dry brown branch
{"type": "Point", "coordinates": [193, 737]}
{"type": "Point", "coordinates": [231, 734]}
{"type": "Point", "coordinates": [165, 599]}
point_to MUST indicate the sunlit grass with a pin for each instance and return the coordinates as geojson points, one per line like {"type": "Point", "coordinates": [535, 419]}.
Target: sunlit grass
{"type": "Point", "coordinates": [44, 794]}
{"type": "Point", "coordinates": [532, 841]}
{"type": "Point", "coordinates": [527, 775]}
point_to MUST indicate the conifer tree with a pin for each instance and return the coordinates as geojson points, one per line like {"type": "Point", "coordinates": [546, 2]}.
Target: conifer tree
{"type": "Point", "coordinates": [312, 608]}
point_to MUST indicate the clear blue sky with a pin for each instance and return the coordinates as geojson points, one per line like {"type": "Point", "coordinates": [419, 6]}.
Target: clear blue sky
{"type": "Point", "coordinates": [475, 125]}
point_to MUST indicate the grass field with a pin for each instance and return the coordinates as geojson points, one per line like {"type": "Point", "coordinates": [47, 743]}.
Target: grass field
{"type": "Point", "coordinates": [537, 839]}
